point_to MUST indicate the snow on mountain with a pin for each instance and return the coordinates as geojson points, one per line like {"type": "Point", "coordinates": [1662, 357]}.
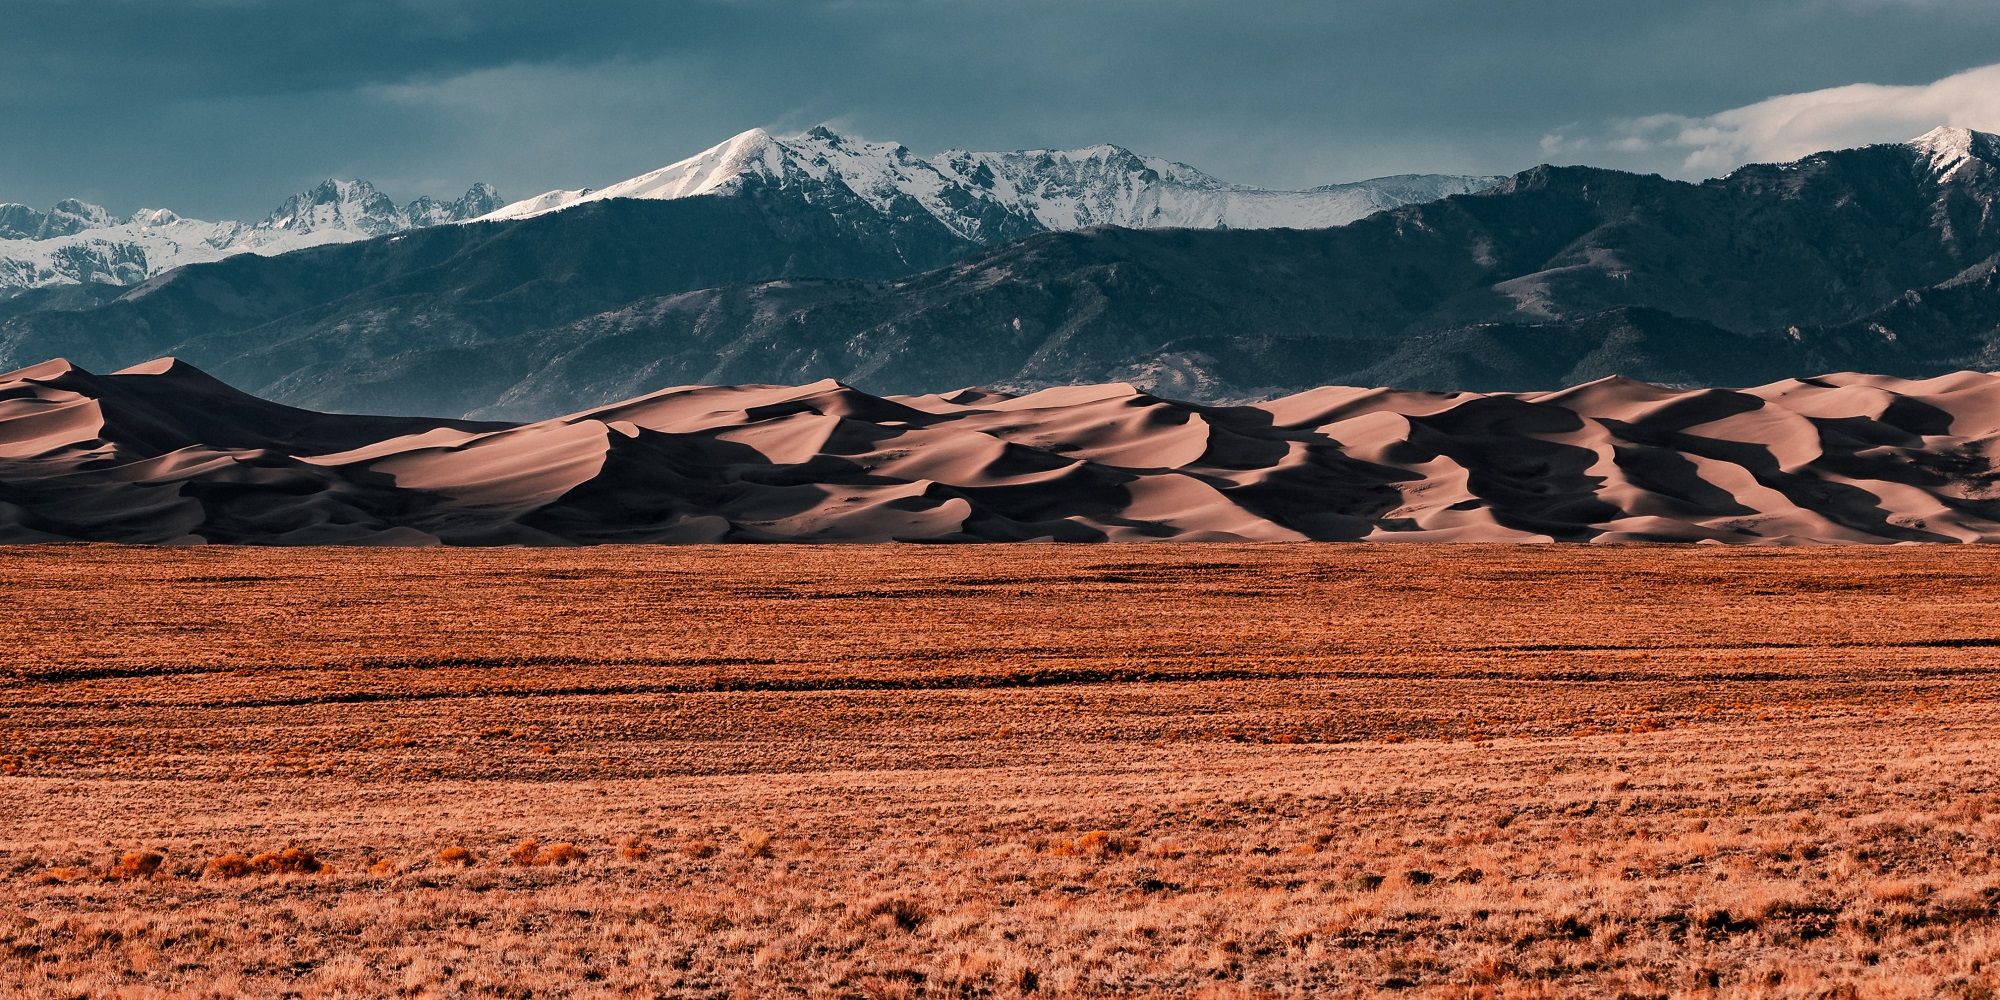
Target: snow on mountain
{"type": "Point", "coordinates": [1958, 151]}
{"type": "Point", "coordinates": [988, 197]}
{"type": "Point", "coordinates": [68, 217]}
{"type": "Point", "coordinates": [544, 202]}
{"type": "Point", "coordinates": [76, 242]}
{"type": "Point", "coordinates": [1111, 186]}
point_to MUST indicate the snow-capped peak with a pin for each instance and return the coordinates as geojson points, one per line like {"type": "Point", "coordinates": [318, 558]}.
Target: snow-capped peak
{"type": "Point", "coordinates": [1952, 150]}
{"type": "Point", "coordinates": [337, 204]}
{"type": "Point", "coordinates": [706, 172]}
{"type": "Point", "coordinates": [478, 200]}
{"type": "Point", "coordinates": [76, 241]}
{"type": "Point", "coordinates": [986, 197]}
{"type": "Point", "coordinates": [751, 153]}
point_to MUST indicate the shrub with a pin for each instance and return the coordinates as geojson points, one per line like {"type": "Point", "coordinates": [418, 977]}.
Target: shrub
{"type": "Point", "coordinates": [531, 852]}
{"type": "Point", "coordinates": [634, 849]}
{"type": "Point", "coordinates": [525, 851]}
{"type": "Point", "coordinates": [457, 856]}
{"type": "Point", "coordinates": [756, 844]}
{"type": "Point", "coordinates": [699, 848]}
{"type": "Point", "coordinates": [290, 861]}
{"type": "Point", "coordinates": [1094, 844]}
{"type": "Point", "coordinates": [135, 865]}
{"type": "Point", "coordinates": [62, 876]}
{"type": "Point", "coordinates": [564, 853]}
{"type": "Point", "coordinates": [226, 866]}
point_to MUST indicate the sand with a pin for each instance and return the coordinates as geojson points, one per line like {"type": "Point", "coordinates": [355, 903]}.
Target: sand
{"type": "Point", "coordinates": [162, 453]}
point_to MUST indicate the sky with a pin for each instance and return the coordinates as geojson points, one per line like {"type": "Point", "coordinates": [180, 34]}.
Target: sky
{"type": "Point", "coordinates": [220, 108]}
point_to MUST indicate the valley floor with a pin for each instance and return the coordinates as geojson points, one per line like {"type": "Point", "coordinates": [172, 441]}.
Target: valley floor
{"type": "Point", "coordinates": [1235, 771]}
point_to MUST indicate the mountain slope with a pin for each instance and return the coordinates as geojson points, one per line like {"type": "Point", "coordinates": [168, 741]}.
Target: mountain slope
{"type": "Point", "coordinates": [993, 197]}
{"type": "Point", "coordinates": [79, 243]}
{"type": "Point", "coordinates": [1556, 276]}
{"type": "Point", "coordinates": [163, 453]}
{"type": "Point", "coordinates": [293, 325]}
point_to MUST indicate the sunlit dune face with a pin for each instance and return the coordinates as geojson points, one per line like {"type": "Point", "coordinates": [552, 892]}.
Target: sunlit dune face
{"type": "Point", "coordinates": [162, 453]}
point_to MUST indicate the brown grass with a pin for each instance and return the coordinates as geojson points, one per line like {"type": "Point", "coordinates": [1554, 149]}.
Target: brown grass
{"type": "Point", "coordinates": [1221, 771]}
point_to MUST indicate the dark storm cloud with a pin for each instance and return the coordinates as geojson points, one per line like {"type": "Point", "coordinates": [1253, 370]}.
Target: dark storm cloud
{"type": "Point", "coordinates": [220, 107]}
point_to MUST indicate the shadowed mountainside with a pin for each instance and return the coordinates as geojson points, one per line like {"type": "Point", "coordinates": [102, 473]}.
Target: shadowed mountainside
{"type": "Point", "coordinates": [1874, 259]}
{"type": "Point", "coordinates": [164, 453]}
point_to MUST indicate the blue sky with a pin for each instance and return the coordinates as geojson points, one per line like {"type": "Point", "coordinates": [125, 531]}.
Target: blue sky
{"type": "Point", "coordinates": [219, 108]}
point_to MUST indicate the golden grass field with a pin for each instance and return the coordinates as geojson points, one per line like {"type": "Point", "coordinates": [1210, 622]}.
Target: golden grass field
{"type": "Point", "coordinates": [1009, 771]}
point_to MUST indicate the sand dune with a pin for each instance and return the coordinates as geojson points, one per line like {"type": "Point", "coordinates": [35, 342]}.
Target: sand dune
{"type": "Point", "coordinates": [163, 453]}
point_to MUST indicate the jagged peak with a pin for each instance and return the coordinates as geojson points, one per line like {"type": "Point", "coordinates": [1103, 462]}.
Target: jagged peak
{"type": "Point", "coordinates": [828, 133]}
{"type": "Point", "coordinates": [77, 206]}
{"type": "Point", "coordinates": [338, 189]}
{"type": "Point", "coordinates": [826, 140]}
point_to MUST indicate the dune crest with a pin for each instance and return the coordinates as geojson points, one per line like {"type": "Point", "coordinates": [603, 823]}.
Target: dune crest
{"type": "Point", "coordinates": [162, 453]}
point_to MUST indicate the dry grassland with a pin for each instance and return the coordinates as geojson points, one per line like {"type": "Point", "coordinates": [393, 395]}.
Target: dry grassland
{"type": "Point", "coordinates": [1033, 771]}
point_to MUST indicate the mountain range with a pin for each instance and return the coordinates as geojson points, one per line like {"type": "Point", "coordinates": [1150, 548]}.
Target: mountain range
{"type": "Point", "coordinates": [163, 453]}
{"type": "Point", "coordinates": [76, 242]}
{"type": "Point", "coordinates": [982, 198]}
{"type": "Point", "coordinates": [990, 198]}
{"type": "Point", "coordinates": [786, 261]}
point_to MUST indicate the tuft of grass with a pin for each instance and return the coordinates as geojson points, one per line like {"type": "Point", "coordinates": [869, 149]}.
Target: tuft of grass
{"type": "Point", "coordinates": [524, 852]}
{"type": "Point", "coordinates": [892, 911]}
{"type": "Point", "coordinates": [232, 865]}
{"type": "Point", "coordinates": [135, 865]}
{"type": "Point", "coordinates": [531, 852]}
{"type": "Point", "coordinates": [457, 857]}
{"type": "Point", "coordinates": [560, 853]}
{"type": "Point", "coordinates": [1094, 844]}
{"type": "Point", "coordinates": [290, 861]}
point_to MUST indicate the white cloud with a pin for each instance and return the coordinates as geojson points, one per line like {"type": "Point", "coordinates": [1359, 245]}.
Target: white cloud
{"type": "Point", "coordinates": [1793, 125]}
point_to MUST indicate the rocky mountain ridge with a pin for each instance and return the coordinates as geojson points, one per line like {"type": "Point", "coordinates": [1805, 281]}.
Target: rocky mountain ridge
{"type": "Point", "coordinates": [990, 198]}
{"type": "Point", "coordinates": [76, 242]}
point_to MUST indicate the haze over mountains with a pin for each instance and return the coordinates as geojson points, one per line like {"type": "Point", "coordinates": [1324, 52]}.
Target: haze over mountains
{"type": "Point", "coordinates": [788, 261]}
{"type": "Point", "coordinates": [164, 453]}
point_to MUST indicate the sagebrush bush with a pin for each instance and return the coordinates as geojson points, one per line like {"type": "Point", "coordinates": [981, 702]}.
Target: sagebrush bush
{"type": "Point", "coordinates": [457, 857]}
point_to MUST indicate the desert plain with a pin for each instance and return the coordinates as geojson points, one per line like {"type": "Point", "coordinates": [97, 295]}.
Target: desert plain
{"type": "Point", "coordinates": [1197, 770]}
